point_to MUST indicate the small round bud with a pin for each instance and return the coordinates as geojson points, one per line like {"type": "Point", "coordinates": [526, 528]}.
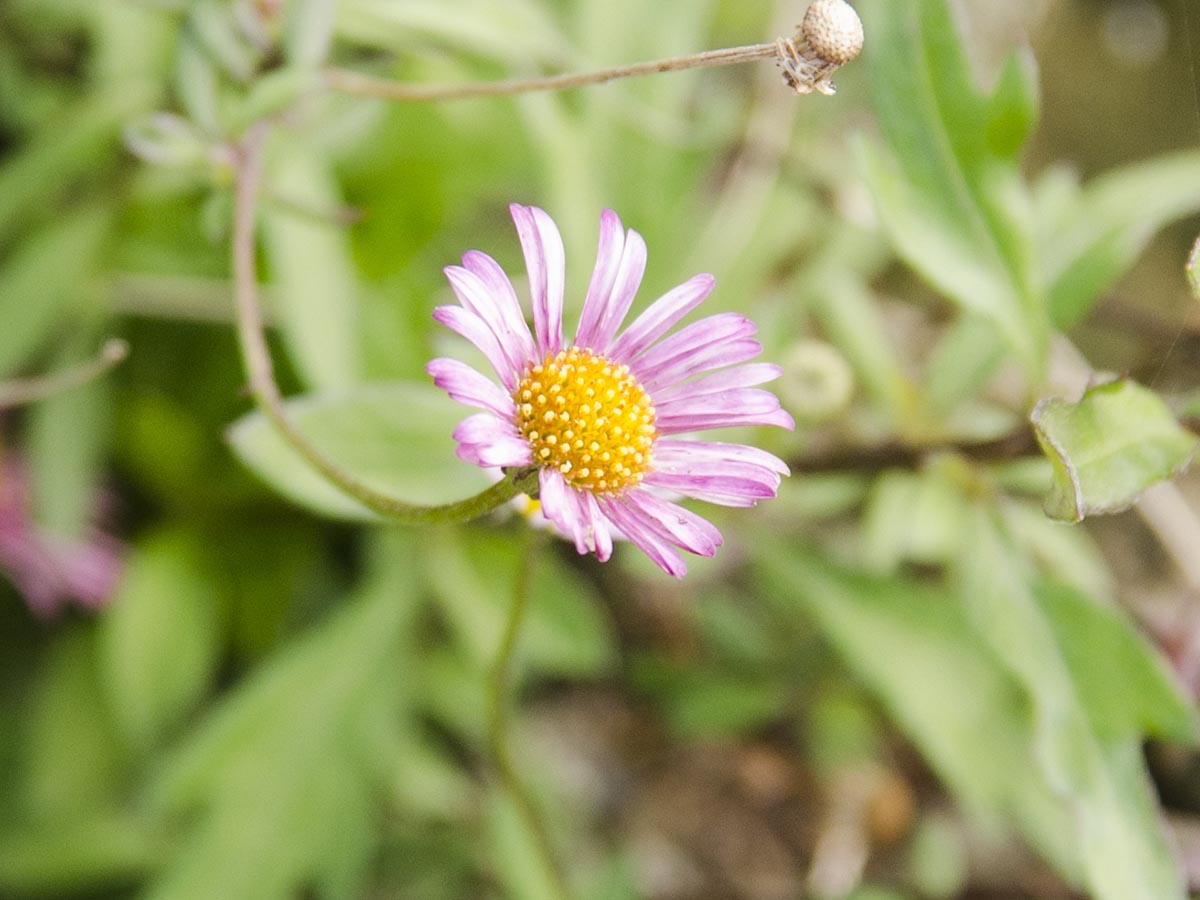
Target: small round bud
{"type": "Point", "coordinates": [817, 382]}
{"type": "Point", "coordinates": [833, 31]}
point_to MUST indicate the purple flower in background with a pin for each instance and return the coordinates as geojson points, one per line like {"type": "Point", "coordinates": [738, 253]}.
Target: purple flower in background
{"type": "Point", "coordinates": [51, 571]}
{"type": "Point", "coordinates": [604, 417]}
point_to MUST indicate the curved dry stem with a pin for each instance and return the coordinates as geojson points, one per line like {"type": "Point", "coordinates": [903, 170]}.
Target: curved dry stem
{"type": "Point", "coordinates": [259, 369]}
{"type": "Point", "coordinates": [352, 82]}
{"type": "Point", "coordinates": [23, 391]}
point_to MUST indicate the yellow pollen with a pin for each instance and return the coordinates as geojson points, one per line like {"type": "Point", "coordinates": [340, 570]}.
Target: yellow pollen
{"type": "Point", "coordinates": [576, 408]}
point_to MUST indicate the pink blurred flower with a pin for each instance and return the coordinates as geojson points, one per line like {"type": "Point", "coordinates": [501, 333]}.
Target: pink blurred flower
{"type": "Point", "coordinates": [604, 417]}
{"type": "Point", "coordinates": [51, 571]}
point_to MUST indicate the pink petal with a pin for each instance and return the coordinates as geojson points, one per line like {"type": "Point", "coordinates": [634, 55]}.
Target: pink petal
{"type": "Point", "coordinates": [601, 536]}
{"type": "Point", "coordinates": [682, 424]}
{"type": "Point", "coordinates": [474, 329]}
{"type": "Point", "coordinates": [484, 289]}
{"type": "Point", "coordinates": [701, 359]}
{"type": "Point", "coordinates": [702, 469]}
{"type": "Point", "coordinates": [608, 259]}
{"type": "Point", "coordinates": [545, 262]}
{"type": "Point", "coordinates": [722, 490]}
{"type": "Point", "coordinates": [629, 279]}
{"type": "Point", "coordinates": [718, 382]}
{"type": "Point", "coordinates": [651, 543]}
{"type": "Point", "coordinates": [683, 527]}
{"type": "Point", "coordinates": [746, 401]}
{"type": "Point", "coordinates": [468, 386]}
{"type": "Point", "coordinates": [661, 316]}
{"type": "Point", "coordinates": [679, 454]}
{"type": "Point", "coordinates": [488, 441]}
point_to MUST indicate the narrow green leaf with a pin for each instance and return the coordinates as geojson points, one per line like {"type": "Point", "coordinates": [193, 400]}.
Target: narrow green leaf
{"type": "Point", "coordinates": [275, 786]}
{"type": "Point", "coordinates": [950, 192]}
{"type": "Point", "coordinates": [42, 276]}
{"type": "Point", "coordinates": [395, 436]}
{"type": "Point", "coordinates": [1108, 447]}
{"type": "Point", "coordinates": [160, 638]}
{"type": "Point", "coordinates": [1092, 244]}
{"type": "Point", "coordinates": [77, 855]}
{"type": "Point", "coordinates": [317, 282]}
{"type": "Point", "coordinates": [1133, 692]}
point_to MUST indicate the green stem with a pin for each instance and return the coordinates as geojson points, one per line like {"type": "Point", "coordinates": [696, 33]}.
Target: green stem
{"type": "Point", "coordinates": [498, 720]}
{"type": "Point", "coordinates": [257, 361]}
{"type": "Point", "coordinates": [364, 85]}
{"type": "Point", "coordinates": [21, 392]}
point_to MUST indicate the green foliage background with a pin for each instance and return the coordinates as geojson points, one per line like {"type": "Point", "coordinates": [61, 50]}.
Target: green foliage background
{"type": "Point", "coordinates": [287, 698]}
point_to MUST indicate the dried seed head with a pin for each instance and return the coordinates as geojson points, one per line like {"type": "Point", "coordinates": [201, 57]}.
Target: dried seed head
{"type": "Point", "coordinates": [833, 31]}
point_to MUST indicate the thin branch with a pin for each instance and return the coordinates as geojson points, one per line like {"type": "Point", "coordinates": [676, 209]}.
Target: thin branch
{"type": "Point", "coordinates": [259, 369]}
{"type": "Point", "coordinates": [24, 391]}
{"type": "Point", "coordinates": [897, 455]}
{"type": "Point", "coordinates": [352, 82]}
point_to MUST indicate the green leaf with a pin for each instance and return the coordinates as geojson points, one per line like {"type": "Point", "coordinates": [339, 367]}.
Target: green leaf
{"type": "Point", "coordinates": [277, 785]}
{"type": "Point", "coordinates": [395, 436]}
{"type": "Point", "coordinates": [1091, 244]}
{"type": "Point", "coordinates": [1134, 692]}
{"type": "Point", "coordinates": [1095, 772]}
{"type": "Point", "coordinates": [76, 856]}
{"type": "Point", "coordinates": [73, 759]}
{"type": "Point", "coordinates": [967, 699]}
{"type": "Point", "coordinates": [474, 575]}
{"type": "Point", "coordinates": [67, 439]}
{"type": "Point", "coordinates": [42, 276]}
{"type": "Point", "coordinates": [160, 638]}
{"type": "Point", "coordinates": [950, 192]}
{"type": "Point", "coordinates": [316, 279]}
{"type": "Point", "coordinates": [1107, 448]}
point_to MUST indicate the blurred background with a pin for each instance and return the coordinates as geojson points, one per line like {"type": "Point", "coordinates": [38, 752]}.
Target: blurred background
{"type": "Point", "coordinates": [218, 681]}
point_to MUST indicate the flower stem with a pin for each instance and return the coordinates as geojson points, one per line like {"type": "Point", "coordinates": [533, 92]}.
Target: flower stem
{"type": "Point", "coordinates": [23, 391]}
{"type": "Point", "coordinates": [259, 369]}
{"type": "Point", "coordinates": [356, 83]}
{"type": "Point", "coordinates": [498, 719]}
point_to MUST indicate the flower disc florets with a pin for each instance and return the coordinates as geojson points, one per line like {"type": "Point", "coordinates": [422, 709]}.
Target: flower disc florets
{"type": "Point", "coordinates": [588, 418]}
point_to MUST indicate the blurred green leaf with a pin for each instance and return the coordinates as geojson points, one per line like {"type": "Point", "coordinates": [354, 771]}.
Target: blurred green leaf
{"type": "Point", "coordinates": [309, 31]}
{"type": "Point", "coordinates": [918, 648]}
{"type": "Point", "coordinates": [1133, 692]}
{"type": "Point", "coordinates": [67, 439]}
{"type": "Point", "coordinates": [160, 638]}
{"type": "Point", "coordinates": [1095, 240]}
{"type": "Point", "coordinates": [950, 192]}
{"type": "Point", "coordinates": [71, 145]}
{"type": "Point", "coordinates": [42, 276]}
{"type": "Point", "coordinates": [316, 280]}
{"type": "Point", "coordinates": [73, 757]}
{"type": "Point", "coordinates": [396, 436]}
{"type": "Point", "coordinates": [279, 774]}
{"type": "Point", "coordinates": [1098, 775]}
{"type": "Point", "coordinates": [1108, 447]}
{"type": "Point", "coordinates": [78, 855]}
{"type": "Point", "coordinates": [474, 575]}
{"type": "Point", "coordinates": [517, 857]}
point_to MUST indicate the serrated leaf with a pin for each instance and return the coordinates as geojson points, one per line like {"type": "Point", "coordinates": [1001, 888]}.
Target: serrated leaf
{"type": "Point", "coordinates": [396, 436]}
{"type": "Point", "coordinates": [159, 640]}
{"type": "Point", "coordinates": [950, 192]}
{"type": "Point", "coordinates": [1107, 448]}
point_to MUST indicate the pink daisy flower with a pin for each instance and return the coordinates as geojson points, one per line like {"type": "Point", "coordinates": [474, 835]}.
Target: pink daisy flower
{"type": "Point", "coordinates": [605, 418]}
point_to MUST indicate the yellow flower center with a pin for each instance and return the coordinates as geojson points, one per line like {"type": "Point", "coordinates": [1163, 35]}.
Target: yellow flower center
{"type": "Point", "coordinates": [587, 417]}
